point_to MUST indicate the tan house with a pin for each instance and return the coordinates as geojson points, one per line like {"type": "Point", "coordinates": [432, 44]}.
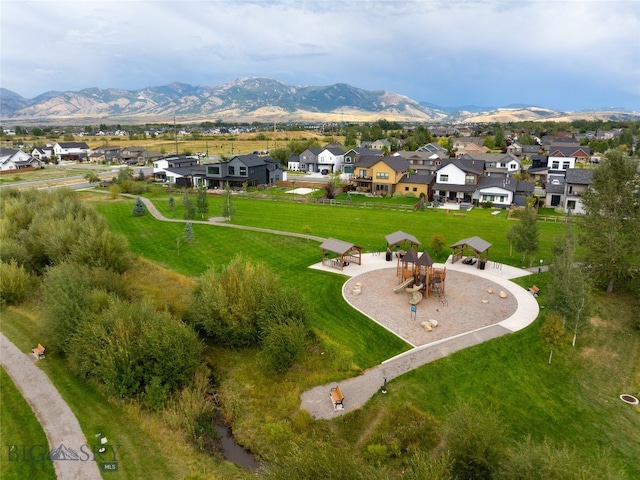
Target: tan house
{"type": "Point", "coordinates": [379, 175]}
{"type": "Point", "coordinates": [416, 184]}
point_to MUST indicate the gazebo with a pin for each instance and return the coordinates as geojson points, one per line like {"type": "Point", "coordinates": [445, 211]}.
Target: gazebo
{"type": "Point", "coordinates": [400, 240]}
{"type": "Point", "coordinates": [338, 254]}
{"type": "Point", "coordinates": [479, 247]}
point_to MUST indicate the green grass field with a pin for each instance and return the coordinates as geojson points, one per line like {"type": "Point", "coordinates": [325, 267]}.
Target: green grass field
{"type": "Point", "coordinates": [572, 402]}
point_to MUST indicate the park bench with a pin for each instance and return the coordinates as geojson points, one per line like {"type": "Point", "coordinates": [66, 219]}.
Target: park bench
{"type": "Point", "coordinates": [38, 352]}
{"type": "Point", "coordinates": [336, 397]}
{"type": "Point", "coordinates": [534, 290]}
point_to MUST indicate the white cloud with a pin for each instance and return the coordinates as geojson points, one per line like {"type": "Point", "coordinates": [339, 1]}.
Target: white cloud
{"type": "Point", "coordinates": [439, 51]}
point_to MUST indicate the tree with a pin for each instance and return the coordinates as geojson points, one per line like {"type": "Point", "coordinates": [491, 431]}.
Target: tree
{"type": "Point", "coordinates": [437, 244]}
{"type": "Point", "coordinates": [612, 220]}
{"type": "Point", "coordinates": [172, 206]}
{"type": "Point", "coordinates": [552, 333]}
{"type": "Point", "coordinates": [227, 204]}
{"type": "Point", "coordinates": [141, 175]}
{"type": "Point", "coordinates": [138, 208]}
{"type": "Point", "coordinates": [202, 202]}
{"type": "Point", "coordinates": [569, 285]}
{"type": "Point", "coordinates": [188, 232]}
{"type": "Point", "coordinates": [92, 177]}
{"type": "Point", "coordinates": [188, 208]}
{"type": "Point", "coordinates": [525, 233]}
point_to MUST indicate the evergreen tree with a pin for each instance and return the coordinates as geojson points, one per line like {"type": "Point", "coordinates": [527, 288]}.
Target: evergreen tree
{"type": "Point", "coordinates": [188, 232]}
{"type": "Point", "coordinates": [138, 207]}
{"type": "Point", "coordinates": [172, 205]}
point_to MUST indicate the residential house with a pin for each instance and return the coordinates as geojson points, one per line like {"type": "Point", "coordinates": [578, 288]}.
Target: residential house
{"type": "Point", "coordinates": [456, 180]}
{"type": "Point", "coordinates": [251, 170]}
{"type": "Point", "coordinates": [554, 193]}
{"type": "Point", "coordinates": [502, 192]}
{"type": "Point", "coordinates": [43, 154]}
{"type": "Point", "coordinates": [71, 151]}
{"type": "Point", "coordinates": [308, 160]}
{"type": "Point", "coordinates": [351, 157]}
{"type": "Point", "coordinates": [578, 152]}
{"type": "Point", "coordinates": [330, 159]}
{"type": "Point", "coordinates": [470, 149]}
{"type": "Point", "coordinates": [110, 153]}
{"type": "Point", "coordinates": [514, 148]}
{"type": "Point", "coordinates": [577, 181]}
{"type": "Point", "coordinates": [560, 163]}
{"type": "Point", "coordinates": [434, 148]}
{"type": "Point", "coordinates": [379, 175]}
{"type": "Point", "coordinates": [417, 184]}
{"type": "Point", "coordinates": [422, 161]}
{"type": "Point", "coordinates": [381, 145]}
{"type": "Point", "coordinates": [161, 165]}
{"type": "Point", "coordinates": [538, 170]}
{"type": "Point", "coordinates": [11, 160]}
{"type": "Point", "coordinates": [133, 155]}
{"type": "Point", "coordinates": [497, 164]}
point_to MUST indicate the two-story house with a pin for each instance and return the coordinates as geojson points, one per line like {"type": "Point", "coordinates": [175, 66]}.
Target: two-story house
{"type": "Point", "coordinates": [251, 170]}
{"type": "Point", "coordinates": [351, 157]}
{"type": "Point", "coordinates": [133, 155]}
{"type": "Point", "coordinates": [576, 183]}
{"type": "Point", "coordinates": [456, 180]}
{"type": "Point", "coordinates": [71, 151]}
{"type": "Point", "coordinates": [330, 159]}
{"type": "Point", "coordinates": [379, 175]}
{"type": "Point", "coordinates": [43, 154]}
{"type": "Point", "coordinates": [161, 165]}
{"type": "Point", "coordinates": [308, 160]}
{"type": "Point", "coordinates": [497, 164]}
{"type": "Point", "coordinates": [110, 153]}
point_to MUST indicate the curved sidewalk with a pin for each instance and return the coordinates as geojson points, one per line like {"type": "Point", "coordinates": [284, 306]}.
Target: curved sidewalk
{"type": "Point", "coordinates": [357, 391]}
{"type": "Point", "coordinates": [58, 421]}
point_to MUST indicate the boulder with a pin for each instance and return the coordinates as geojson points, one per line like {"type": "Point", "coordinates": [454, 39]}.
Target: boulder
{"type": "Point", "coordinates": [489, 291]}
{"type": "Point", "coordinates": [503, 294]}
{"type": "Point", "coordinates": [484, 300]}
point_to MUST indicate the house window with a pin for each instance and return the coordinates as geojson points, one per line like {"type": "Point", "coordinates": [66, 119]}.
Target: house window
{"type": "Point", "coordinates": [243, 171]}
{"type": "Point", "coordinates": [566, 165]}
{"type": "Point", "coordinates": [555, 164]}
{"type": "Point", "coordinates": [571, 204]}
{"type": "Point", "coordinates": [363, 173]}
{"type": "Point", "coordinates": [570, 189]}
{"type": "Point", "coordinates": [213, 170]}
{"type": "Point", "coordinates": [382, 188]}
{"type": "Point", "coordinates": [232, 170]}
{"type": "Point", "coordinates": [382, 175]}
{"type": "Point", "coordinates": [469, 179]}
{"type": "Point", "coordinates": [406, 189]}
{"type": "Point", "coordinates": [444, 178]}
{"type": "Point", "coordinates": [415, 189]}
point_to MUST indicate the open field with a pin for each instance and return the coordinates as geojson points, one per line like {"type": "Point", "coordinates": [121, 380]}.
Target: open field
{"type": "Point", "coordinates": [572, 402]}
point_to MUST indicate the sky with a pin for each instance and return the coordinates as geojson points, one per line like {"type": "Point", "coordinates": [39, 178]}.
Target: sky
{"type": "Point", "coordinates": [563, 55]}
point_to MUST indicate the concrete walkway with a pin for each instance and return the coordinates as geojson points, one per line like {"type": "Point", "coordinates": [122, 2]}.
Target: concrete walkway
{"type": "Point", "coordinates": [58, 421]}
{"type": "Point", "coordinates": [357, 391]}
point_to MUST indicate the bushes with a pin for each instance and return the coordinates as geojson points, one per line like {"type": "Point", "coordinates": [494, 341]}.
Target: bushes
{"type": "Point", "coordinates": [244, 305]}
{"type": "Point", "coordinates": [15, 283]}
{"type": "Point", "coordinates": [136, 352]}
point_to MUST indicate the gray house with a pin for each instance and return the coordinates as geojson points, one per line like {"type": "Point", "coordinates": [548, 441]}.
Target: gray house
{"type": "Point", "coordinates": [250, 169]}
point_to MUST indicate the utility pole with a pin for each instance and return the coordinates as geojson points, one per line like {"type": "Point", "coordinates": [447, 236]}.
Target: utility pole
{"type": "Point", "coordinates": [175, 133]}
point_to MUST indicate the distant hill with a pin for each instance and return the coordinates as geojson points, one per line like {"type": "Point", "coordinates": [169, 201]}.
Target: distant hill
{"type": "Point", "coordinates": [255, 99]}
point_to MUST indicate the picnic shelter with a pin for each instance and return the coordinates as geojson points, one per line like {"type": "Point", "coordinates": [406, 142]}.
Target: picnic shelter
{"type": "Point", "coordinates": [338, 254]}
{"type": "Point", "coordinates": [474, 247]}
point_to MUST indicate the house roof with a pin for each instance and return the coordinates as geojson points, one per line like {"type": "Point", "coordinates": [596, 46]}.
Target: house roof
{"type": "Point", "coordinates": [579, 176]}
{"type": "Point", "coordinates": [569, 151]}
{"type": "Point", "coordinates": [337, 246]}
{"type": "Point", "coordinates": [466, 164]}
{"type": "Point", "coordinates": [431, 147]}
{"type": "Point", "coordinates": [74, 145]}
{"type": "Point", "coordinates": [398, 164]}
{"type": "Point", "coordinates": [476, 243]}
{"type": "Point", "coordinates": [399, 237]}
{"type": "Point", "coordinates": [419, 178]}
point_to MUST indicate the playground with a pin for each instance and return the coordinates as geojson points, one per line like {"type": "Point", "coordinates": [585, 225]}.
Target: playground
{"type": "Point", "coordinates": [466, 305]}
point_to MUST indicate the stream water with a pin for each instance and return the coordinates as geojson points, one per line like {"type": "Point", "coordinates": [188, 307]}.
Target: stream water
{"type": "Point", "coordinates": [234, 452]}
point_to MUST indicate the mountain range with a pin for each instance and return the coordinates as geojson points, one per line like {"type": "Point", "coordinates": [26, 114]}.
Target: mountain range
{"type": "Point", "coordinates": [262, 100]}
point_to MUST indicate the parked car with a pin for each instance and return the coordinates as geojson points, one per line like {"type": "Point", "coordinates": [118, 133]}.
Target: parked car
{"type": "Point", "coordinates": [324, 172]}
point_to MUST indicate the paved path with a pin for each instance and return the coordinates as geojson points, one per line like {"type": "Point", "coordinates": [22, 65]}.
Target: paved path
{"type": "Point", "coordinates": [58, 421]}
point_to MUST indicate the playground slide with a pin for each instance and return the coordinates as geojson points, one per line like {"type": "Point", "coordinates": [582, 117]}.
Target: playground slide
{"type": "Point", "coordinates": [404, 284]}
{"type": "Point", "coordinates": [415, 288]}
{"type": "Point", "coordinates": [415, 298]}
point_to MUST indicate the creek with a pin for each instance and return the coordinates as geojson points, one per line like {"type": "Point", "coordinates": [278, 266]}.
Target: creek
{"type": "Point", "coordinates": [234, 452]}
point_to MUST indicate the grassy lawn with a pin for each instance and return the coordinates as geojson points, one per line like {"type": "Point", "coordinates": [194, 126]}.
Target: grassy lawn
{"type": "Point", "coordinates": [572, 402]}
{"type": "Point", "coordinates": [19, 426]}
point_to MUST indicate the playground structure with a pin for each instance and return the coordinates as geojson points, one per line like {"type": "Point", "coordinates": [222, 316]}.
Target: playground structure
{"type": "Point", "coordinates": [419, 276]}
